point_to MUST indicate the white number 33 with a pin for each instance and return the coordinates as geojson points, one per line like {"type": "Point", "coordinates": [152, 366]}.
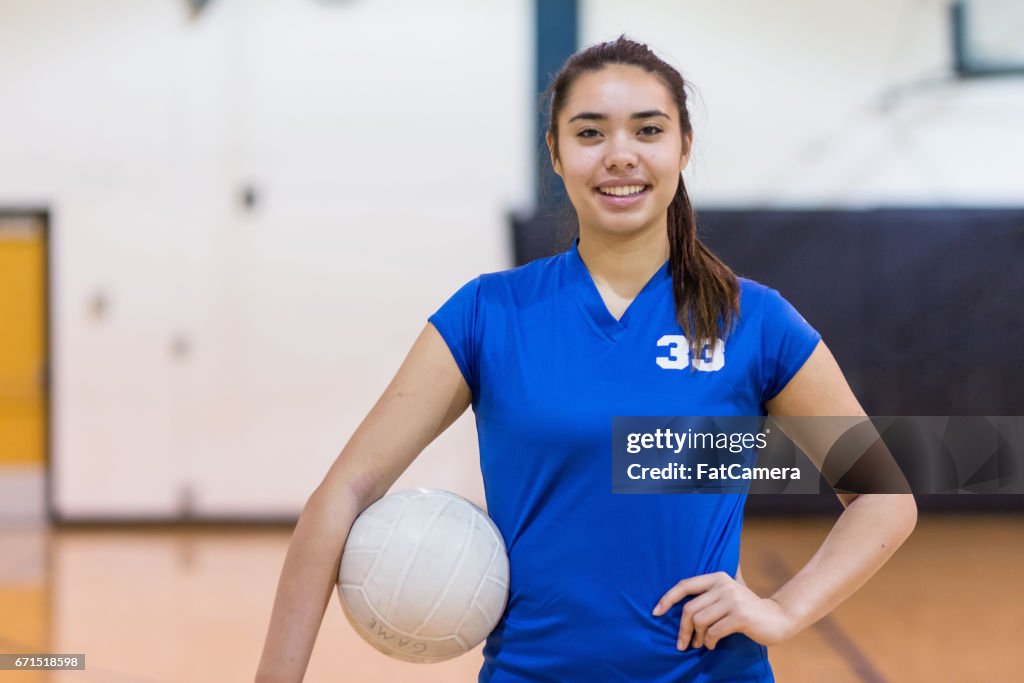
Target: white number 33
{"type": "Point", "coordinates": [711, 358]}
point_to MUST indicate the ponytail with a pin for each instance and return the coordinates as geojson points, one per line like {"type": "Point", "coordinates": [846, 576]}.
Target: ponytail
{"type": "Point", "coordinates": [706, 291]}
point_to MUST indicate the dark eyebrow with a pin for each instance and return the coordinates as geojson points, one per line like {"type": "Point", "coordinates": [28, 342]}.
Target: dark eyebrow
{"type": "Point", "coordinates": [594, 116]}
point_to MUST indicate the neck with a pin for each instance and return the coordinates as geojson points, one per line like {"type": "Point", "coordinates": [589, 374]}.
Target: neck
{"type": "Point", "coordinates": [623, 263]}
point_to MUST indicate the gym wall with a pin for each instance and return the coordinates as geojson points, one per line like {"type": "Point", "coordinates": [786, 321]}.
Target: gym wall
{"type": "Point", "coordinates": [253, 211]}
{"type": "Point", "coordinates": [811, 103]}
{"type": "Point", "coordinates": [210, 360]}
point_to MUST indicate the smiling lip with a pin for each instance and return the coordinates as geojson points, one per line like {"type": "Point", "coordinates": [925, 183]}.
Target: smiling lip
{"type": "Point", "coordinates": [621, 202]}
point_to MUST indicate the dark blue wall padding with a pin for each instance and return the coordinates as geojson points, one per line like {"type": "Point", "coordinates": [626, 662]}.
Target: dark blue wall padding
{"type": "Point", "coordinates": [921, 307]}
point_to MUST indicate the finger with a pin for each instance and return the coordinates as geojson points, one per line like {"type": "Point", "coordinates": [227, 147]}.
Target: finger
{"type": "Point", "coordinates": [706, 618]}
{"type": "Point", "coordinates": [720, 629]}
{"type": "Point", "coordinates": [695, 605]}
{"type": "Point", "coordinates": [691, 586]}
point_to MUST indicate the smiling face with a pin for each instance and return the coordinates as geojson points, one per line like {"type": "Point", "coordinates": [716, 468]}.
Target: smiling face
{"type": "Point", "coordinates": [620, 150]}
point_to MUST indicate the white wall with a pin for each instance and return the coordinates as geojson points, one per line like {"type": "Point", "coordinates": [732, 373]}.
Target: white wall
{"type": "Point", "coordinates": [790, 99]}
{"type": "Point", "coordinates": [388, 139]}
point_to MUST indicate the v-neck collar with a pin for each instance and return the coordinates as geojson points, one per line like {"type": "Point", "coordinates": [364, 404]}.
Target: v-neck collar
{"type": "Point", "coordinates": [592, 303]}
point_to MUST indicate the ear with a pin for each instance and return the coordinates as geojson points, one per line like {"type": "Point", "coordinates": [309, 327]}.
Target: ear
{"type": "Point", "coordinates": [555, 164]}
{"type": "Point", "coordinates": [684, 160]}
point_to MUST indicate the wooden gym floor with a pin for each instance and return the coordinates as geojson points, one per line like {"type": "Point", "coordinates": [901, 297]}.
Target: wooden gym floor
{"type": "Point", "coordinates": [191, 606]}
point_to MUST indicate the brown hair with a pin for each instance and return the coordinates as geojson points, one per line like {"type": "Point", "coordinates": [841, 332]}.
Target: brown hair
{"type": "Point", "coordinates": [706, 290]}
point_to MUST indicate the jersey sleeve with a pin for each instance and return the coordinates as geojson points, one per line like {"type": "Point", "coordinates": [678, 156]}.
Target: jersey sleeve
{"type": "Point", "coordinates": [787, 341]}
{"type": "Point", "coordinates": [457, 322]}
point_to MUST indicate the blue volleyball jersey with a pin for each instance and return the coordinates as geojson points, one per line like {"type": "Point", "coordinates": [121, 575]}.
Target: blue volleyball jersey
{"type": "Point", "coordinates": [549, 367]}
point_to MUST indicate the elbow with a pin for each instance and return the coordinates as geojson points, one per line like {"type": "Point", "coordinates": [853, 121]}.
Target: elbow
{"type": "Point", "coordinates": [902, 513]}
{"type": "Point", "coordinates": [909, 512]}
{"type": "Point", "coordinates": [899, 510]}
{"type": "Point", "coordinates": [340, 501]}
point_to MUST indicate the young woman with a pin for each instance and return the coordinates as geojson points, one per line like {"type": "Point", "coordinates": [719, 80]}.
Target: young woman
{"type": "Point", "coordinates": [636, 318]}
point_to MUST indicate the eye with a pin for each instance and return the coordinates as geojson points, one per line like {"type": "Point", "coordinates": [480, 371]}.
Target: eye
{"type": "Point", "coordinates": [585, 133]}
{"type": "Point", "coordinates": [650, 130]}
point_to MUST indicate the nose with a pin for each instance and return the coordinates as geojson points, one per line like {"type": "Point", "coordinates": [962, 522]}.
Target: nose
{"type": "Point", "coordinates": [620, 155]}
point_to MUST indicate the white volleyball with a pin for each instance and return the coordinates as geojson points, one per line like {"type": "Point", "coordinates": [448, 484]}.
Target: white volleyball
{"type": "Point", "coordinates": [424, 575]}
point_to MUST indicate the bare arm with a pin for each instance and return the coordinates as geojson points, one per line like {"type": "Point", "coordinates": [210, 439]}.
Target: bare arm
{"type": "Point", "coordinates": [868, 532]}
{"type": "Point", "coordinates": [426, 396]}
{"type": "Point", "coordinates": [871, 527]}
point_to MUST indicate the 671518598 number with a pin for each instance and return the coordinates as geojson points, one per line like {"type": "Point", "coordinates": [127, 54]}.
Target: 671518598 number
{"type": "Point", "coordinates": [41, 662]}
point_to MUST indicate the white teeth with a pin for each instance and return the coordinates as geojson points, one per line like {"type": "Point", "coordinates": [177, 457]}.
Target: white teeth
{"type": "Point", "coordinates": [622, 191]}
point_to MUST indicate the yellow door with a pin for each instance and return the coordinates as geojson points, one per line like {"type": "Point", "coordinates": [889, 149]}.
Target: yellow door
{"type": "Point", "coordinates": [22, 335]}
